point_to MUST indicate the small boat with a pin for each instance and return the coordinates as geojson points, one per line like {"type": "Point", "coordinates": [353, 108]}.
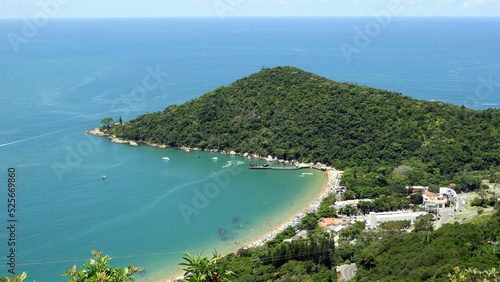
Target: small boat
{"type": "Point", "coordinates": [165, 158]}
{"type": "Point", "coordinates": [103, 177]}
{"type": "Point", "coordinates": [215, 158]}
{"type": "Point", "coordinates": [197, 157]}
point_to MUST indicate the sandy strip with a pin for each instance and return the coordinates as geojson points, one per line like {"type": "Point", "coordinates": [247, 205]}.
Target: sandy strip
{"type": "Point", "coordinates": [294, 220]}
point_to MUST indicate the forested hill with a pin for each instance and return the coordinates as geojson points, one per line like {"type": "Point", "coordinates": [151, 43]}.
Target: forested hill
{"type": "Point", "coordinates": [293, 114]}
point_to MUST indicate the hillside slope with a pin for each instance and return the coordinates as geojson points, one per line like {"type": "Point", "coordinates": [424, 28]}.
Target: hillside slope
{"type": "Point", "coordinates": [293, 114]}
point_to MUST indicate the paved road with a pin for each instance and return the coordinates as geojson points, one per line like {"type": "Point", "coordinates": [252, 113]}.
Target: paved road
{"type": "Point", "coordinates": [446, 215]}
{"type": "Point", "coordinates": [348, 271]}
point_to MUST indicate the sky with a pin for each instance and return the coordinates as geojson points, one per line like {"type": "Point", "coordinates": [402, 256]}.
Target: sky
{"type": "Point", "coordinates": [243, 8]}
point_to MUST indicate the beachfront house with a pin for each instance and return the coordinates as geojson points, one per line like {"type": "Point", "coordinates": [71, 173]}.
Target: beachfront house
{"type": "Point", "coordinates": [333, 225]}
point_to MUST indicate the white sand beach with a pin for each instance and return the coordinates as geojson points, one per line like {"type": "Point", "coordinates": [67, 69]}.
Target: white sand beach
{"type": "Point", "coordinates": [288, 217]}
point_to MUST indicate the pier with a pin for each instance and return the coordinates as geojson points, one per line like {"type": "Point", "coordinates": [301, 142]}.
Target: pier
{"type": "Point", "coordinates": [267, 166]}
{"type": "Point", "coordinates": [273, 167]}
{"type": "Point", "coordinates": [295, 167]}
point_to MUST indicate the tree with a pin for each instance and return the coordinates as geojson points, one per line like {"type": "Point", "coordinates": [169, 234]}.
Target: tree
{"type": "Point", "coordinates": [325, 208]}
{"type": "Point", "coordinates": [348, 195]}
{"type": "Point", "coordinates": [107, 122]}
{"type": "Point", "coordinates": [203, 269]}
{"type": "Point", "coordinates": [98, 270]}
{"type": "Point", "coordinates": [416, 198]}
{"type": "Point", "coordinates": [472, 274]}
{"type": "Point", "coordinates": [349, 210]}
{"type": "Point", "coordinates": [424, 223]}
{"type": "Point", "coordinates": [309, 221]}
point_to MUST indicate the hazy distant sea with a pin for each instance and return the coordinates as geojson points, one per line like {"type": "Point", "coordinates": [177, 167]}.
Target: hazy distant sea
{"type": "Point", "coordinates": [69, 74]}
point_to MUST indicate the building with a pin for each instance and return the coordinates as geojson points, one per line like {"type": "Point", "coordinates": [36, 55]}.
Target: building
{"type": "Point", "coordinates": [449, 193]}
{"type": "Point", "coordinates": [354, 203]}
{"type": "Point", "coordinates": [334, 225]}
{"type": "Point", "coordinates": [375, 218]}
{"type": "Point", "coordinates": [415, 189]}
{"type": "Point", "coordinates": [300, 234]}
{"type": "Point", "coordinates": [433, 202]}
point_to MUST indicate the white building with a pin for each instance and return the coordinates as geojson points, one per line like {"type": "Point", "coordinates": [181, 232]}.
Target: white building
{"type": "Point", "coordinates": [450, 193]}
{"type": "Point", "coordinates": [354, 203]}
{"type": "Point", "coordinates": [375, 218]}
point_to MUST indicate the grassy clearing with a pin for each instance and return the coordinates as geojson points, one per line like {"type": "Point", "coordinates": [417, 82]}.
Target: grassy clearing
{"type": "Point", "coordinates": [481, 218]}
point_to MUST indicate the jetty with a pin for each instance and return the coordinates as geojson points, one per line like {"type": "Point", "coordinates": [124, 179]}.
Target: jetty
{"type": "Point", "coordinates": [267, 166]}
{"type": "Point", "coordinates": [294, 167]}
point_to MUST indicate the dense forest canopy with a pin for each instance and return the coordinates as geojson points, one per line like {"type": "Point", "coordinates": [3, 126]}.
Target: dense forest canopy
{"type": "Point", "coordinates": [382, 140]}
{"type": "Point", "coordinates": [292, 114]}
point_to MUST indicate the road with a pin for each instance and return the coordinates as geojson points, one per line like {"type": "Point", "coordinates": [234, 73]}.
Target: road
{"type": "Point", "coordinates": [348, 271]}
{"type": "Point", "coordinates": [446, 215]}
{"type": "Point", "coordinates": [461, 206]}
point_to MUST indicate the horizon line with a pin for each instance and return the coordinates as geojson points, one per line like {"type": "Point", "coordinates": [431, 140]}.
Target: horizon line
{"type": "Point", "coordinates": [252, 17]}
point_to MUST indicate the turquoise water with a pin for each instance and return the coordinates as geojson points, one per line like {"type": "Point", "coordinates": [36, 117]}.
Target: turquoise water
{"type": "Point", "coordinates": [148, 211]}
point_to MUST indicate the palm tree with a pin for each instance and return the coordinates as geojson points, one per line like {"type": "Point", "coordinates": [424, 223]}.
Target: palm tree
{"type": "Point", "coordinates": [98, 269]}
{"type": "Point", "coordinates": [19, 278]}
{"type": "Point", "coordinates": [203, 269]}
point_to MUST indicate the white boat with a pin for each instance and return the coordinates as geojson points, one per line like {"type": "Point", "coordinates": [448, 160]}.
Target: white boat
{"type": "Point", "coordinates": [165, 158]}
{"type": "Point", "coordinates": [215, 158]}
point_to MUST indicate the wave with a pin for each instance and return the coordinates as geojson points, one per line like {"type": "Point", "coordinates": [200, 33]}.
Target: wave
{"type": "Point", "coordinates": [150, 205]}
{"type": "Point", "coordinates": [231, 163]}
{"type": "Point", "coordinates": [33, 137]}
{"type": "Point", "coordinates": [298, 50]}
{"type": "Point", "coordinates": [48, 97]}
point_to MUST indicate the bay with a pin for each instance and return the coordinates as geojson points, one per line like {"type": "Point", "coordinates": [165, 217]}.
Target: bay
{"type": "Point", "coordinates": [148, 211]}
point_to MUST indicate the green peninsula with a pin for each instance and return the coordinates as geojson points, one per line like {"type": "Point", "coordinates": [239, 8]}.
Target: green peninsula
{"type": "Point", "coordinates": [296, 115]}
{"type": "Point", "coordinates": [384, 141]}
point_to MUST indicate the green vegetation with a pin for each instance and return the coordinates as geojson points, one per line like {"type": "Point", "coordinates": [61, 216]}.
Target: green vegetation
{"type": "Point", "coordinates": [397, 225]}
{"type": "Point", "coordinates": [388, 254]}
{"type": "Point", "coordinates": [98, 270]}
{"type": "Point", "coordinates": [474, 275]}
{"type": "Point", "coordinates": [383, 141]}
{"type": "Point", "coordinates": [203, 269]}
{"type": "Point", "coordinates": [425, 255]}
{"type": "Point", "coordinates": [19, 278]}
{"type": "Point", "coordinates": [293, 114]}
{"type": "Point", "coordinates": [325, 208]}
{"type": "Point", "coordinates": [107, 122]}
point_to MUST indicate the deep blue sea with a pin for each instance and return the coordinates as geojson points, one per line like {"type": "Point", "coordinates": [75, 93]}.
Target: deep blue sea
{"type": "Point", "coordinates": [62, 78]}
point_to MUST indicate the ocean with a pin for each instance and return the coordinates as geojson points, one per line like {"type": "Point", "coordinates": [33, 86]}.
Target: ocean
{"type": "Point", "coordinates": [62, 78]}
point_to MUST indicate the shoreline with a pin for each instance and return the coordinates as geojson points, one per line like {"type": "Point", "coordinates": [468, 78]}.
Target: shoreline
{"type": "Point", "coordinates": [332, 182]}
{"type": "Point", "coordinates": [290, 218]}
{"type": "Point", "coordinates": [319, 166]}
{"type": "Point", "coordinates": [294, 220]}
